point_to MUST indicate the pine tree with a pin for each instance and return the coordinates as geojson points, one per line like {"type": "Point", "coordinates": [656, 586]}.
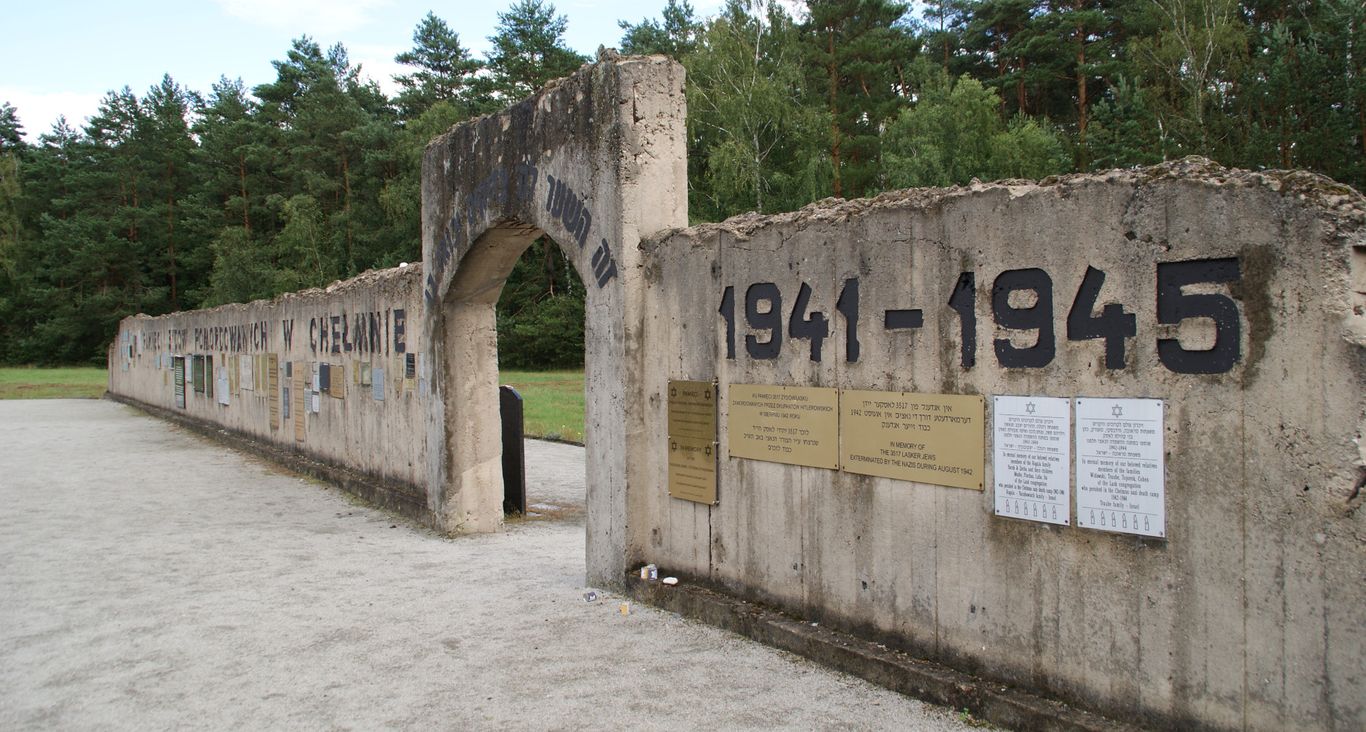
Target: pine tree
{"type": "Point", "coordinates": [857, 51]}
{"type": "Point", "coordinates": [444, 71]}
{"type": "Point", "coordinates": [529, 50]}
{"type": "Point", "coordinates": [173, 233]}
{"type": "Point", "coordinates": [12, 147]}
{"type": "Point", "coordinates": [336, 137]}
{"type": "Point", "coordinates": [675, 34]}
{"type": "Point", "coordinates": [234, 152]}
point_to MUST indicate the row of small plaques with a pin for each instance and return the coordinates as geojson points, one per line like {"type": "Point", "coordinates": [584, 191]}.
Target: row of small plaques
{"type": "Point", "coordinates": [939, 439]}
{"type": "Point", "coordinates": [925, 438]}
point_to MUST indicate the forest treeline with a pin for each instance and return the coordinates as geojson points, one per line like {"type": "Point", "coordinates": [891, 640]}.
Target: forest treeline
{"type": "Point", "coordinates": [177, 198]}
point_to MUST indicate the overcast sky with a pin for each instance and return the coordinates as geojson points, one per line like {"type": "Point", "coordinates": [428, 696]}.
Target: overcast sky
{"type": "Point", "coordinates": [62, 56]}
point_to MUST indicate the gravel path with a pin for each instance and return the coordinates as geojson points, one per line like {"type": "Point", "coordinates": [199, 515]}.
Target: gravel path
{"type": "Point", "coordinates": [151, 579]}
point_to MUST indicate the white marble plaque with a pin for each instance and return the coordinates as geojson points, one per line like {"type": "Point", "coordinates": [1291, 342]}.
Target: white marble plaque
{"type": "Point", "coordinates": [1032, 458]}
{"type": "Point", "coordinates": [1121, 482]}
{"type": "Point", "coordinates": [221, 390]}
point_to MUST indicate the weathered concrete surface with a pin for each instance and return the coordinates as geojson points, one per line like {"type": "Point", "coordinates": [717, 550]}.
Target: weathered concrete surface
{"type": "Point", "coordinates": [596, 161]}
{"type": "Point", "coordinates": [151, 580]}
{"type": "Point", "coordinates": [984, 699]}
{"type": "Point", "coordinates": [369, 320]}
{"type": "Point", "coordinates": [1237, 298]}
{"type": "Point", "coordinates": [1247, 615]}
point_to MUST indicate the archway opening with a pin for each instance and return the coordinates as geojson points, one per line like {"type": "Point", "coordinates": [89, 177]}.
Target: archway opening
{"type": "Point", "coordinates": [541, 372]}
{"type": "Point", "coordinates": [518, 265]}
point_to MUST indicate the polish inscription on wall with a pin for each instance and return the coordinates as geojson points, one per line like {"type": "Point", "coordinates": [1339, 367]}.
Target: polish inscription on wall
{"type": "Point", "coordinates": [797, 425]}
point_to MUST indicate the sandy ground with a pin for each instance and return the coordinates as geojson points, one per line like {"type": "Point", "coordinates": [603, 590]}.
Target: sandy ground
{"type": "Point", "coordinates": [151, 579]}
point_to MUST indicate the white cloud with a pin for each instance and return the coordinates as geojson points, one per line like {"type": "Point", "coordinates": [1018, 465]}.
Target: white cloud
{"type": "Point", "coordinates": [39, 110]}
{"type": "Point", "coordinates": [377, 62]}
{"type": "Point", "coordinates": [319, 17]}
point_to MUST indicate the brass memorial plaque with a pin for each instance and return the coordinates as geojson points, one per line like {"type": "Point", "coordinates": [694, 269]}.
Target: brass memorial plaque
{"type": "Point", "coordinates": [692, 410]}
{"type": "Point", "coordinates": [300, 395]}
{"type": "Point", "coordinates": [692, 441]}
{"type": "Point", "coordinates": [692, 469]}
{"type": "Point", "coordinates": [925, 438]}
{"type": "Point", "coordinates": [273, 379]}
{"type": "Point", "coordinates": [797, 425]}
{"type": "Point", "coordinates": [338, 385]}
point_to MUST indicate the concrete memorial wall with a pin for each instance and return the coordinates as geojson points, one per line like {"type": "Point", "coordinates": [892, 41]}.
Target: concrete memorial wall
{"type": "Point", "coordinates": [329, 375]}
{"type": "Point", "coordinates": [1099, 436]}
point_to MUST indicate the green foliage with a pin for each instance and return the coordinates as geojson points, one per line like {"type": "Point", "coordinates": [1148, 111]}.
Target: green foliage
{"type": "Point", "coordinates": [753, 146]}
{"type": "Point", "coordinates": [541, 312]}
{"type": "Point", "coordinates": [169, 200]}
{"type": "Point", "coordinates": [1190, 61]}
{"type": "Point", "coordinates": [674, 35]}
{"type": "Point", "coordinates": [954, 134]}
{"type": "Point", "coordinates": [529, 50]}
{"type": "Point", "coordinates": [1027, 148]}
{"type": "Point", "coordinates": [1125, 130]}
{"type": "Point", "coordinates": [242, 269]}
{"type": "Point", "coordinates": [945, 139]}
{"type": "Point", "coordinates": [443, 71]}
{"type": "Point", "coordinates": [856, 53]}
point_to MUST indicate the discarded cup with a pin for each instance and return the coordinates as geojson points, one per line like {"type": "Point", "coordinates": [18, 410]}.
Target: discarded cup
{"type": "Point", "coordinates": [654, 572]}
{"type": "Point", "coordinates": [670, 581]}
{"type": "Point", "coordinates": [590, 596]}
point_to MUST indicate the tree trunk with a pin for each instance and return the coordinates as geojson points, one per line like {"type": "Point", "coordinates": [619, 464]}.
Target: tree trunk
{"type": "Point", "coordinates": [1082, 156]}
{"type": "Point", "coordinates": [346, 206]}
{"type": "Point", "coordinates": [1021, 97]}
{"type": "Point", "coordinates": [242, 183]}
{"type": "Point", "coordinates": [170, 230]}
{"type": "Point", "coordinates": [834, 114]}
{"type": "Point", "coordinates": [548, 247]}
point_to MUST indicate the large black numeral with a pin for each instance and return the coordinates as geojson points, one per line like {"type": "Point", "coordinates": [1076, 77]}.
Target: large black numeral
{"type": "Point", "coordinates": [727, 311]}
{"type": "Point", "coordinates": [770, 320]}
{"type": "Point", "coordinates": [1113, 325]}
{"type": "Point", "coordinates": [802, 325]}
{"type": "Point", "coordinates": [1174, 306]}
{"type": "Point", "coordinates": [847, 305]}
{"type": "Point", "coordinates": [1038, 316]}
{"type": "Point", "coordinates": [964, 302]}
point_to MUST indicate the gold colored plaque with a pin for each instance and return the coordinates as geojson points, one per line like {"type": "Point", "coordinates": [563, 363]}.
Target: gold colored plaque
{"type": "Point", "coordinates": [925, 438]}
{"type": "Point", "coordinates": [692, 469]}
{"type": "Point", "coordinates": [692, 441]}
{"type": "Point", "coordinates": [337, 387]}
{"type": "Point", "coordinates": [300, 397]}
{"type": "Point", "coordinates": [273, 377]}
{"type": "Point", "coordinates": [692, 410]}
{"type": "Point", "coordinates": [797, 425]}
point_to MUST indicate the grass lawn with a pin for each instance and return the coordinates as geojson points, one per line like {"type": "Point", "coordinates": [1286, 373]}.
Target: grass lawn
{"type": "Point", "coordinates": [69, 382]}
{"type": "Point", "coordinates": [552, 402]}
